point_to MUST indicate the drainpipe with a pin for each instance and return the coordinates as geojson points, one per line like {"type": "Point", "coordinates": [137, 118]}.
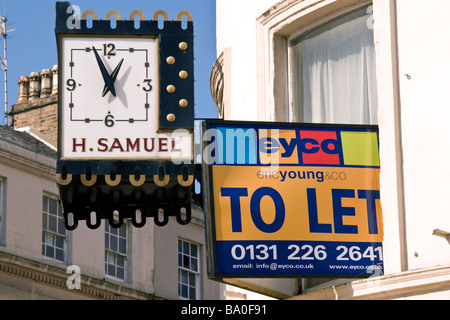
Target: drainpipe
{"type": "Point", "coordinates": [398, 139]}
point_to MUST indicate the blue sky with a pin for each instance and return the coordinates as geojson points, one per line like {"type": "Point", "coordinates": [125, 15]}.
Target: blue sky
{"type": "Point", "coordinates": [31, 46]}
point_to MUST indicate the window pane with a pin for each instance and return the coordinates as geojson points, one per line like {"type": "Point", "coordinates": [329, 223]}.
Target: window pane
{"type": "Point", "coordinates": [60, 242]}
{"type": "Point", "coordinates": [52, 223]}
{"type": "Point", "coordinates": [49, 239]}
{"type": "Point", "coordinates": [193, 250]}
{"type": "Point", "coordinates": [184, 276]}
{"type": "Point", "coordinates": [50, 252]}
{"type": "Point", "coordinates": [113, 243]}
{"type": "Point", "coordinates": [334, 73]}
{"type": "Point", "coordinates": [123, 246]}
{"type": "Point", "coordinates": [44, 204]}
{"type": "Point", "coordinates": [191, 279]}
{"type": "Point", "coordinates": [185, 262]}
{"type": "Point", "coordinates": [111, 270]}
{"type": "Point", "coordinates": [59, 254]}
{"type": "Point", "coordinates": [184, 291]}
{"type": "Point", "coordinates": [114, 231]}
{"type": "Point", "coordinates": [194, 264]}
{"type": "Point", "coordinates": [123, 231]}
{"type": "Point", "coordinates": [120, 261]}
{"type": "Point", "coordinates": [109, 258]}
{"type": "Point", "coordinates": [185, 248]}
{"type": "Point", "coordinates": [52, 206]}
{"type": "Point", "coordinates": [192, 294]}
{"type": "Point", "coordinates": [61, 227]}
{"type": "Point", "coordinates": [120, 273]}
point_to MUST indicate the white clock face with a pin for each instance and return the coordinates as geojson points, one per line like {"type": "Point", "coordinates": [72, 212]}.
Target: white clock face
{"type": "Point", "coordinates": [109, 101]}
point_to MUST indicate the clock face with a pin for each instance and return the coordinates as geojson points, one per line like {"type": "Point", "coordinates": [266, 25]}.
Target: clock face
{"type": "Point", "coordinates": [109, 101]}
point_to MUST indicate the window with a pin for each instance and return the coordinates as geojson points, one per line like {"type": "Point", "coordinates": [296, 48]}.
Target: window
{"type": "Point", "coordinates": [188, 270]}
{"type": "Point", "coordinates": [54, 236]}
{"type": "Point", "coordinates": [333, 73]}
{"type": "Point", "coordinates": [116, 249]}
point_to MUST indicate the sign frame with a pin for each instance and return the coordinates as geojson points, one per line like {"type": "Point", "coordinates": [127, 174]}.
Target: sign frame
{"type": "Point", "coordinates": [214, 253]}
{"type": "Point", "coordinates": [141, 184]}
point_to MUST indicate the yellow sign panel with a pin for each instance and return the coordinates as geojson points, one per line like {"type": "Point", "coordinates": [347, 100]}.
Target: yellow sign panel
{"type": "Point", "coordinates": [307, 203]}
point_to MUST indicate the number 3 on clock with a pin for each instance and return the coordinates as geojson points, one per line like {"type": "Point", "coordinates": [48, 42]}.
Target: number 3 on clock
{"type": "Point", "coordinates": [148, 86]}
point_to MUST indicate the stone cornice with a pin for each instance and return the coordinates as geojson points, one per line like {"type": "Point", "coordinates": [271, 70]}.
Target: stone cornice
{"type": "Point", "coordinates": [28, 161]}
{"type": "Point", "coordinates": [56, 277]}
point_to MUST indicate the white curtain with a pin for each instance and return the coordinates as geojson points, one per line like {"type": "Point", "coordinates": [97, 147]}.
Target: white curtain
{"type": "Point", "coordinates": [337, 75]}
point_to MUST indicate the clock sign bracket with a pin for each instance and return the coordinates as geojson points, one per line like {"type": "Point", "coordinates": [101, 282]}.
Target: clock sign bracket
{"type": "Point", "coordinates": [118, 190]}
{"type": "Point", "coordinates": [126, 89]}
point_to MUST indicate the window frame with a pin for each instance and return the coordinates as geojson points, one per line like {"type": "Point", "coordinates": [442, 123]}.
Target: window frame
{"type": "Point", "coordinates": [274, 30]}
{"type": "Point", "coordinates": [295, 39]}
{"type": "Point", "coordinates": [115, 253]}
{"type": "Point", "coordinates": [52, 233]}
{"type": "Point", "coordinates": [189, 271]}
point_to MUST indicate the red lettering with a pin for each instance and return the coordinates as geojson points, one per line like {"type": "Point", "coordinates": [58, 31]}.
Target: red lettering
{"type": "Point", "coordinates": [102, 142]}
{"type": "Point", "coordinates": [82, 144]}
{"type": "Point", "coordinates": [146, 148]}
{"type": "Point", "coordinates": [163, 144]}
{"type": "Point", "coordinates": [116, 145]}
{"type": "Point", "coordinates": [132, 146]}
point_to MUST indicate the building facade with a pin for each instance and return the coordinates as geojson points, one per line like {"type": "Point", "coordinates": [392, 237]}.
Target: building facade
{"type": "Point", "coordinates": [40, 259]}
{"type": "Point", "coordinates": [354, 62]}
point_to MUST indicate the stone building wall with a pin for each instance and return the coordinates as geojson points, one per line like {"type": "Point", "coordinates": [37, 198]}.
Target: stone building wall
{"type": "Point", "coordinates": [37, 104]}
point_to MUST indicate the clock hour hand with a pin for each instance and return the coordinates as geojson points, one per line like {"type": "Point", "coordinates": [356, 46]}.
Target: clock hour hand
{"type": "Point", "coordinates": [113, 77]}
{"type": "Point", "coordinates": [109, 82]}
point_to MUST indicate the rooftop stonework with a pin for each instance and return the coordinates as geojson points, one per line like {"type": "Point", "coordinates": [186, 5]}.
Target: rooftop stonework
{"type": "Point", "coordinates": [37, 104]}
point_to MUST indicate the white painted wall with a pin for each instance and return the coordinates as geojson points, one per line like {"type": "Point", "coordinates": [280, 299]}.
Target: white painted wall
{"type": "Point", "coordinates": [28, 176]}
{"type": "Point", "coordinates": [413, 112]}
{"type": "Point", "coordinates": [236, 29]}
{"type": "Point", "coordinates": [424, 51]}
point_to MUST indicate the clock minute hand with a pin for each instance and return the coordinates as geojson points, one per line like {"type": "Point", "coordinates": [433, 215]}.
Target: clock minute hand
{"type": "Point", "coordinates": [109, 82]}
{"type": "Point", "coordinates": [116, 71]}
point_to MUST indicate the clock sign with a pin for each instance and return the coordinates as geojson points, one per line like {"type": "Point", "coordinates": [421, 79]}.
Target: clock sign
{"type": "Point", "coordinates": [110, 101]}
{"type": "Point", "coordinates": [126, 117]}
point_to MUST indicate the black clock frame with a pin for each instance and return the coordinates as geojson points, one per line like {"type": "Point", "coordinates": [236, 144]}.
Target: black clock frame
{"type": "Point", "coordinates": [93, 190]}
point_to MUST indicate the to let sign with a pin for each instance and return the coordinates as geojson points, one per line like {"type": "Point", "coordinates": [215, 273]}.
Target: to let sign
{"type": "Point", "coordinates": [291, 200]}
